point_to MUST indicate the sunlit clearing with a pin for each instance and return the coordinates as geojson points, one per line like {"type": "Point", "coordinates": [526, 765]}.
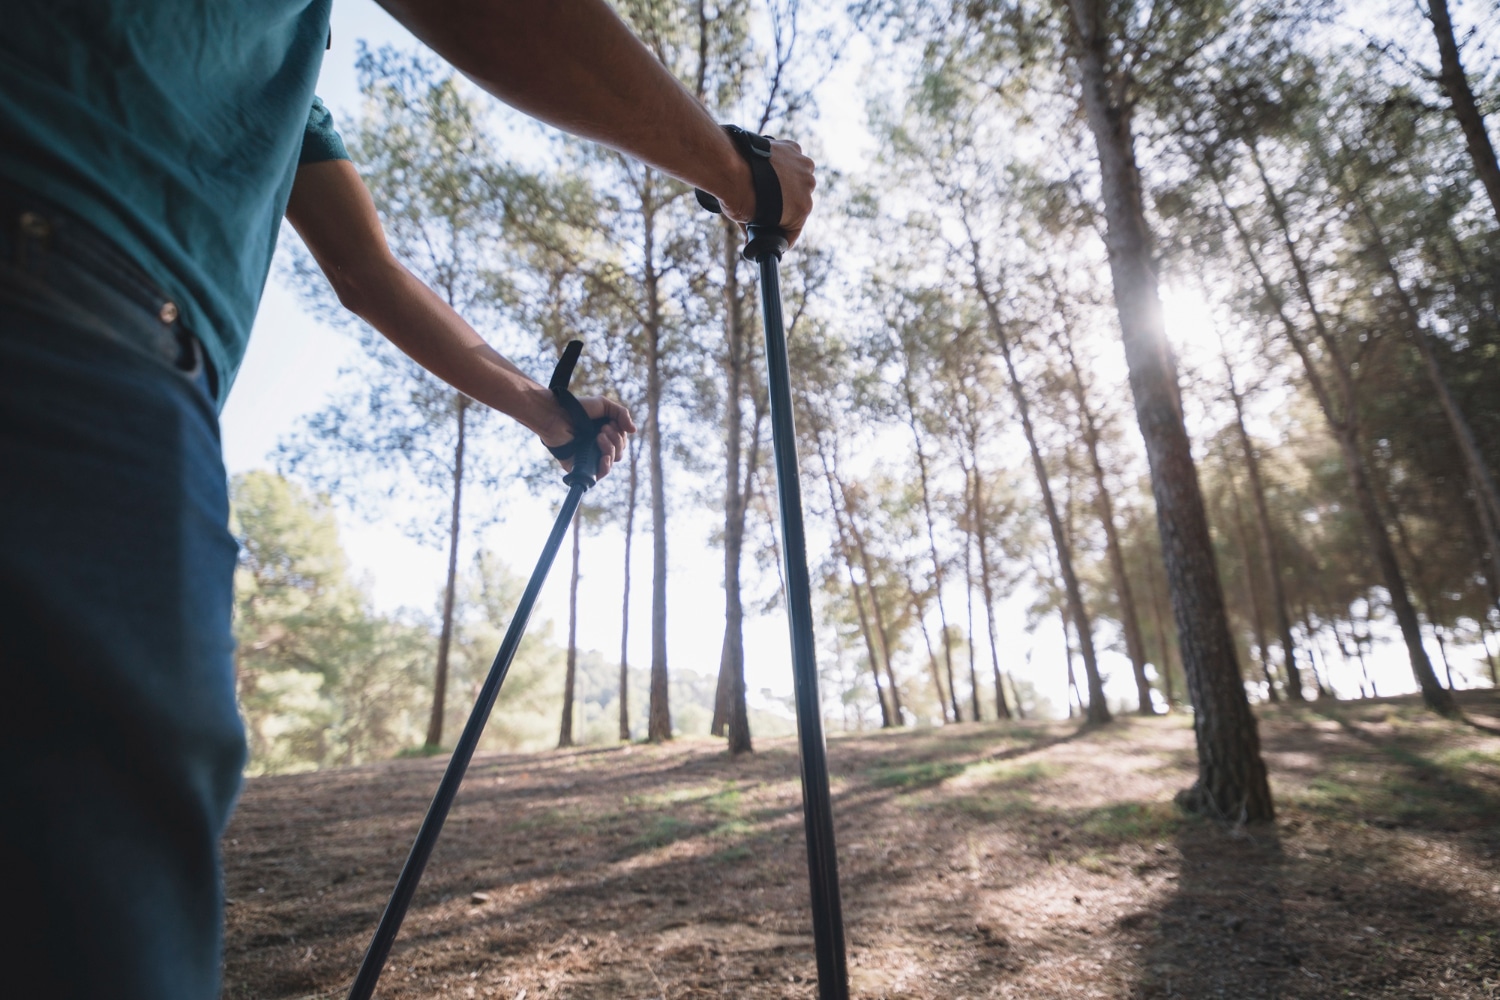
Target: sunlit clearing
{"type": "Point", "coordinates": [1189, 320]}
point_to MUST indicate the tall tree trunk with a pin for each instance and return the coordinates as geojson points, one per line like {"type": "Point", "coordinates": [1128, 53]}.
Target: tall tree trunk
{"type": "Point", "coordinates": [1168, 688]}
{"type": "Point", "coordinates": [1130, 622]}
{"type": "Point", "coordinates": [846, 549]}
{"type": "Point", "coordinates": [659, 717]}
{"type": "Point", "coordinates": [630, 497]}
{"type": "Point", "coordinates": [1098, 710]}
{"type": "Point", "coordinates": [1343, 419]}
{"type": "Point", "coordinates": [1231, 774]}
{"type": "Point", "coordinates": [1314, 653]}
{"type": "Point", "coordinates": [1481, 481]}
{"type": "Point", "coordinates": [1455, 83]}
{"type": "Point", "coordinates": [937, 564]}
{"type": "Point", "coordinates": [869, 637]}
{"type": "Point", "coordinates": [986, 578]}
{"type": "Point", "coordinates": [1073, 693]}
{"type": "Point", "coordinates": [969, 592]}
{"type": "Point", "coordinates": [876, 611]}
{"type": "Point", "coordinates": [1257, 614]}
{"type": "Point", "coordinates": [729, 705]}
{"type": "Point", "coordinates": [565, 731]}
{"type": "Point", "coordinates": [1269, 550]}
{"type": "Point", "coordinates": [932, 663]}
{"type": "Point", "coordinates": [1343, 647]}
{"type": "Point", "coordinates": [1424, 593]}
{"type": "Point", "coordinates": [445, 637]}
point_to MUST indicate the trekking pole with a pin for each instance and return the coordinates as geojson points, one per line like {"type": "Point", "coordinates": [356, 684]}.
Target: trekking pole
{"type": "Point", "coordinates": [585, 454]}
{"type": "Point", "coordinates": [767, 244]}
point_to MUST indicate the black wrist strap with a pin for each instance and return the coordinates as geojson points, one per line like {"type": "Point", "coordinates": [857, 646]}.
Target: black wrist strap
{"type": "Point", "coordinates": [765, 227]}
{"type": "Point", "coordinates": [582, 449]}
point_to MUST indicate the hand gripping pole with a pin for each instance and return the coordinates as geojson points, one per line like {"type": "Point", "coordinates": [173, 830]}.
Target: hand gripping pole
{"type": "Point", "coordinates": [767, 244]}
{"type": "Point", "coordinates": [585, 455]}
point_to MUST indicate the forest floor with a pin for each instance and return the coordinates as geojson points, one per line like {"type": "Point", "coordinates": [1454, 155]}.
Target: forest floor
{"type": "Point", "coordinates": [1025, 860]}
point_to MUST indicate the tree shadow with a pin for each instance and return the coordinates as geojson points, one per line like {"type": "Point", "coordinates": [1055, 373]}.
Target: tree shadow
{"type": "Point", "coordinates": [1228, 904]}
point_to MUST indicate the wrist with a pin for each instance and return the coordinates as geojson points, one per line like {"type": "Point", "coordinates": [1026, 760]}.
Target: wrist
{"type": "Point", "coordinates": [546, 418]}
{"type": "Point", "coordinates": [737, 197]}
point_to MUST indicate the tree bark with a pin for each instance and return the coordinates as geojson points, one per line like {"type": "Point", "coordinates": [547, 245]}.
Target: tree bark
{"type": "Point", "coordinates": [1002, 709]}
{"type": "Point", "coordinates": [1257, 614]}
{"type": "Point", "coordinates": [1314, 653]}
{"type": "Point", "coordinates": [729, 708]}
{"type": "Point", "coordinates": [445, 636]}
{"type": "Point", "coordinates": [1269, 550]}
{"type": "Point", "coordinates": [1231, 774]}
{"type": "Point", "coordinates": [846, 550]}
{"type": "Point", "coordinates": [1073, 693]}
{"type": "Point", "coordinates": [932, 663]}
{"type": "Point", "coordinates": [1455, 83]}
{"type": "Point", "coordinates": [630, 497]}
{"type": "Point", "coordinates": [937, 564]}
{"type": "Point", "coordinates": [883, 633]}
{"type": "Point", "coordinates": [659, 717]}
{"type": "Point", "coordinates": [969, 592]}
{"type": "Point", "coordinates": [1098, 710]}
{"type": "Point", "coordinates": [1130, 622]}
{"type": "Point", "coordinates": [565, 731]}
{"type": "Point", "coordinates": [1167, 685]}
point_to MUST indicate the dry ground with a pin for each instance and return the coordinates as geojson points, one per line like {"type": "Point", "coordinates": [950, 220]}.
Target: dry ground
{"type": "Point", "coordinates": [1027, 860]}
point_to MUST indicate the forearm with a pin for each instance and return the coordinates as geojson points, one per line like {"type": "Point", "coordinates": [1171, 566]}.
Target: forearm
{"type": "Point", "coordinates": [575, 65]}
{"type": "Point", "coordinates": [410, 315]}
{"type": "Point", "coordinates": [332, 211]}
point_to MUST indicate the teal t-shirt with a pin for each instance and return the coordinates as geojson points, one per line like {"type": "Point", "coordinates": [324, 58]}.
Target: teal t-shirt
{"type": "Point", "coordinates": [175, 127]}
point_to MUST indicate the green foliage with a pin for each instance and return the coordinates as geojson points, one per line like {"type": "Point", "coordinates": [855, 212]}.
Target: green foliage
{"type": "Point", "coordinates": [322, 680]}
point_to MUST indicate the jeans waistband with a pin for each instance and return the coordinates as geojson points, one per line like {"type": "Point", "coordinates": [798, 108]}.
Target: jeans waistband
{"type": "Point", "coordinates": [90, 271]}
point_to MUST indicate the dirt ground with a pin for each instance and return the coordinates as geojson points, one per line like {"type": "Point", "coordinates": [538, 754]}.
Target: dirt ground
{"type": "Point", "coordinates": [1021, 860]}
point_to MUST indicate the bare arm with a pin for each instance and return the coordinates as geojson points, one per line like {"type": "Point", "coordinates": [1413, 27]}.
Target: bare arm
{"type": "Point", "coordinates": [575, 65]}
{"type": "Point", "coordinates": [332, 211]}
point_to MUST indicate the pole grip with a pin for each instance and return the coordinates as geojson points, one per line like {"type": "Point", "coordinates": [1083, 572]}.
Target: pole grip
{"type": "Point", "coordinates": [584, 448]}
{"type": "Point", "coordinates": [765, 232]}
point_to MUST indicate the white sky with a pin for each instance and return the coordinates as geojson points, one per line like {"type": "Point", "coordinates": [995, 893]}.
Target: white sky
{"type": "Point", "coordinates": [291, 368]}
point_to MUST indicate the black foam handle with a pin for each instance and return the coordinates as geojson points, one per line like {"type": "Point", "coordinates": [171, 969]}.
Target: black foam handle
{"type": "Point", "coordinates": [584, 448]}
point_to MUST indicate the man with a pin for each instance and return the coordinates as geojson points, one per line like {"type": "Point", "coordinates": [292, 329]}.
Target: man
{"type": "Point", "coordinates": [148, 150]}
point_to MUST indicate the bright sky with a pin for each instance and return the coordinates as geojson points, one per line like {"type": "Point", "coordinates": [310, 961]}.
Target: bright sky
{"type": "Point", "coordinates": [292, 365]}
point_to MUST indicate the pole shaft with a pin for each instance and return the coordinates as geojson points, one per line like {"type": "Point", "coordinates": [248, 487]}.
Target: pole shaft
{"type": "Point", "coordinates": [817, 807]}
{"type": "Point", "coordinates": [437, 813]}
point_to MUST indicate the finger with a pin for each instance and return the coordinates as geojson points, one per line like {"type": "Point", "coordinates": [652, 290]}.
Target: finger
{"type": "Point", "coordinates": [606, 446]}
{"type": "Point", "coordinates": [605, 464]}
{"type": "Point", "coordinates": [622, 416]}
{"type": "Point", "coordinates": [611, 442]}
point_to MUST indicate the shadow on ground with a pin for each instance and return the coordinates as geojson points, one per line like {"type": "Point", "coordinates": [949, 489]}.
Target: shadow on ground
{"type": "Point", "coordinates": [1025, 860]}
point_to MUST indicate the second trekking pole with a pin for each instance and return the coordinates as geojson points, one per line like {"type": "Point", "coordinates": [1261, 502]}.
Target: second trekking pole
{"type": "Point", "coordinates": [585, 455]}
{"type": "Point", "coordinates": [767, 244]}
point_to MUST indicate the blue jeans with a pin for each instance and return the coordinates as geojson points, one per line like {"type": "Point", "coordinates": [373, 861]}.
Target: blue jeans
{"type": "Point", "coordinates": [120, 744]}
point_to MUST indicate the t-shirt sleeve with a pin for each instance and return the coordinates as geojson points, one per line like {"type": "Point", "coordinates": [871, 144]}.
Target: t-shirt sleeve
{"type": "Point", "coordinates": [320, 141]}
